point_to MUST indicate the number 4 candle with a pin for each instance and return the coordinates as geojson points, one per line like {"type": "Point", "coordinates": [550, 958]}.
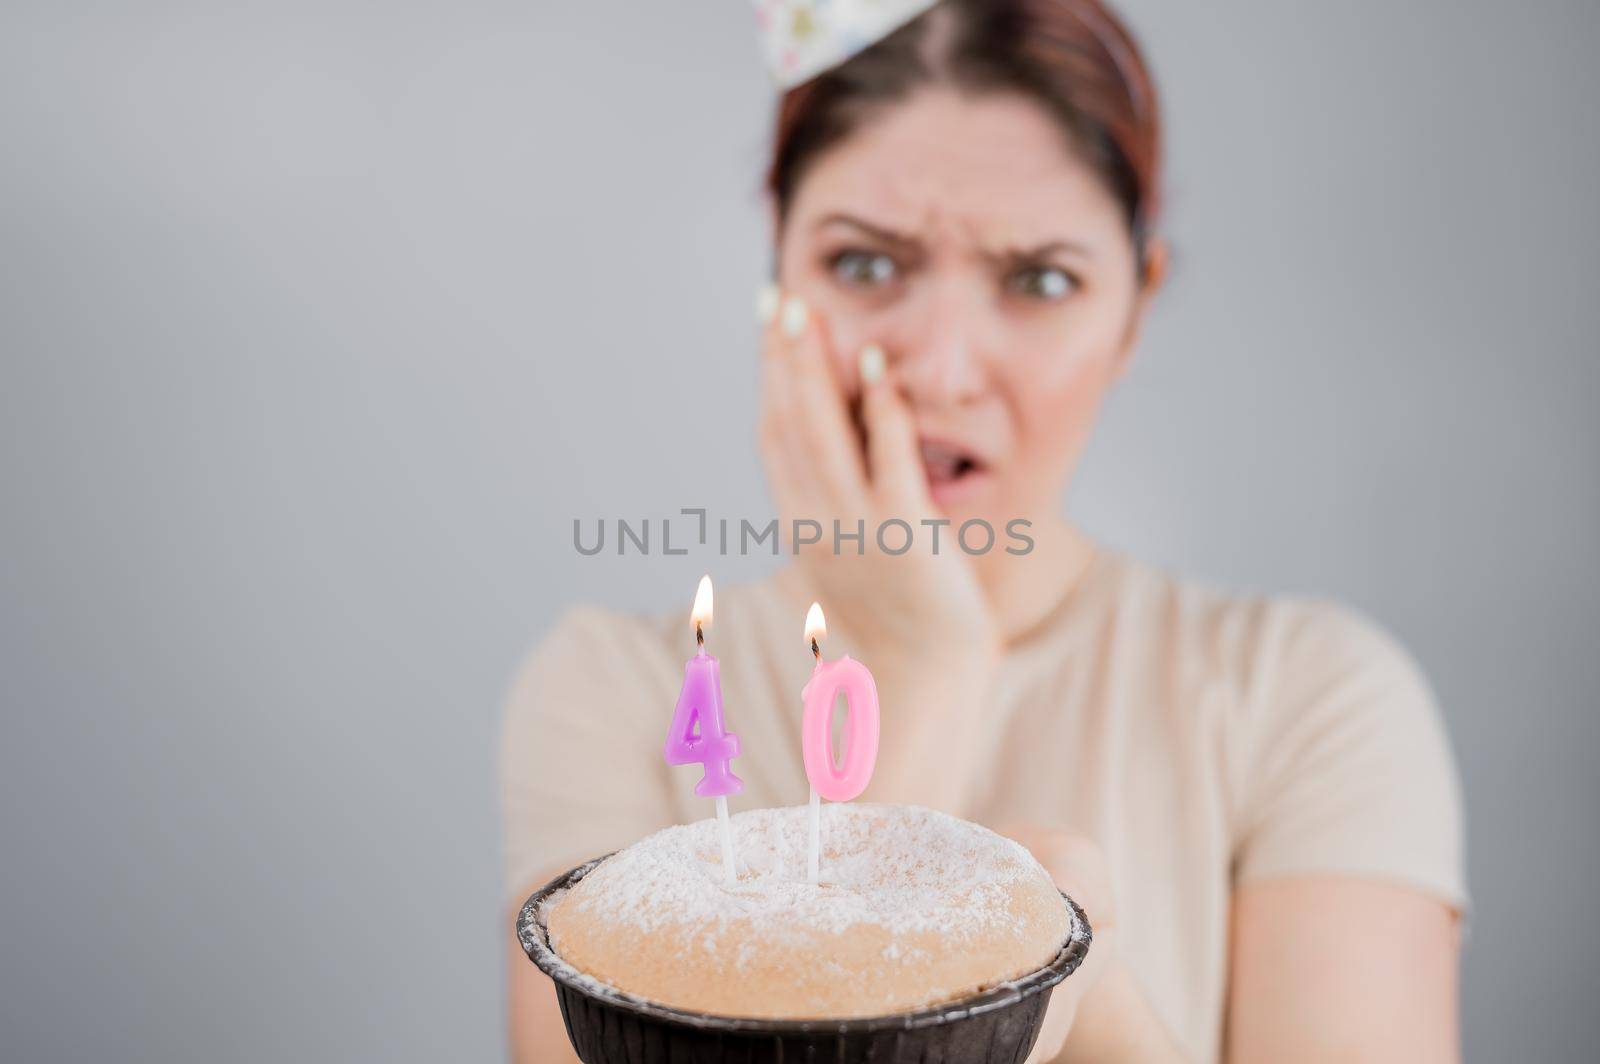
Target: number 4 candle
{"type": "Point", "coordinates": [697, 734]}
{"type": "Point", "coordinates": [842, 781]}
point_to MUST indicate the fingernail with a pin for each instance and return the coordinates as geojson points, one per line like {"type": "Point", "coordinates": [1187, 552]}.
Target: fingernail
{"type": "Point", "coordinates": [767, 301]}
{"type": "Point", "coordinates": [872, 364]}
{"type": "Point", "coordinates": [794, 317]}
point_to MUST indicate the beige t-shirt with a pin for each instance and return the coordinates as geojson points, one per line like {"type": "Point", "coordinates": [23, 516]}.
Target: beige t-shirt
{"type": "Point", "coordinates": [1203, 740]}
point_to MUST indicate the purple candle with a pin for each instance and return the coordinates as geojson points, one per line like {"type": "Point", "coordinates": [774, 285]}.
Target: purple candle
{"type": "Point", "coordinates": [698, 734]}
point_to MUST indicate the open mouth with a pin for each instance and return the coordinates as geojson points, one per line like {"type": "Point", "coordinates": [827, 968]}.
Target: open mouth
{"type": "Point", "coordinates": [948, 466]}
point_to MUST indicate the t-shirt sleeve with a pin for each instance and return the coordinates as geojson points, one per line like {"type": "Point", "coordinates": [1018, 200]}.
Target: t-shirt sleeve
{"type": "Point", "coordinates": [576, 780]}
{"type": "Point", "coordinates": [1350, 772]}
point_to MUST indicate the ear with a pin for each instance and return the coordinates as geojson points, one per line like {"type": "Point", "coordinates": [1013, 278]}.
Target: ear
{"type": "Point", "coordinates": [1157, 258]}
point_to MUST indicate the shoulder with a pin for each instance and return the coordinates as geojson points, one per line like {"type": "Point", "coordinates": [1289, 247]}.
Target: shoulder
{"type": "Point", "coordinates": [1313, 661]}
{"type": "Point", "coordinates": [591, 650]}
{"type": "Point", "coordinates": [593, 659]}
{"type": "Point", "coordinates": [590, 630]}
{"type": "Point", "coordinates": [1330, 745]}
{"type": "Point", "coordinates": [1266, 649]}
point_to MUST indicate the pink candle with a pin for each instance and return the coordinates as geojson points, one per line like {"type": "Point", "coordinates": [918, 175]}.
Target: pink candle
{"type": "Point", "coordinates": [846, 779]}
{"type": "Point", "coordinates": [698, 734]}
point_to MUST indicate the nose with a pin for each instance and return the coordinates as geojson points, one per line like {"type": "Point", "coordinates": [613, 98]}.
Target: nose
{"type": "Point", "coordinates": [943, 344]}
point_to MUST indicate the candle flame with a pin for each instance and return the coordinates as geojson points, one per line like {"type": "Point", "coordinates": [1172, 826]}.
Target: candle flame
{"type": "Point", "coordinates": [816, 625]}
{"type": "Point", "coordinates": [700, 616]}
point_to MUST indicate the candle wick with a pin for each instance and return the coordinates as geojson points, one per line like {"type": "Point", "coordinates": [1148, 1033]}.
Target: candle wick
{"type": "Point", "coordinates": [699, 636]}
{"type": "Point", "coordinates": [816, 651]}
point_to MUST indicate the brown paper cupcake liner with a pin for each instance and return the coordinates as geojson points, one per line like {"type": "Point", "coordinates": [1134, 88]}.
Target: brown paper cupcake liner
{"type": "Point", "coordinates": [606, 1026]}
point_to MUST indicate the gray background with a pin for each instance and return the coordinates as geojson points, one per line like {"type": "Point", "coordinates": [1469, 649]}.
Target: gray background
{"type": "Point", "coordinates": [320, 323]}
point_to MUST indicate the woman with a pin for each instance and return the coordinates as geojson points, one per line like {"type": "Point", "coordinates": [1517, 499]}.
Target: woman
{"type": "Point", "coordinates": [1254, 798]}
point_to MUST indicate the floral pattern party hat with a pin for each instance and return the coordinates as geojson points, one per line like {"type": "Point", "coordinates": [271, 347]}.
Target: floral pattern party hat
{"type": "Point", "coordinates": [802, 38]}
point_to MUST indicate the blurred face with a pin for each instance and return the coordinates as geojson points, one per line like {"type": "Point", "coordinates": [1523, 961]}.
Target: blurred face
{"type": "Point", "coordinates": [962, 235]}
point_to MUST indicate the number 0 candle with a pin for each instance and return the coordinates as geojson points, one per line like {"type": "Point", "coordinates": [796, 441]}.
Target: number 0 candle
{"type": "Point", "coordinates": [843, 780]}
{"type": "Point", "coordinates": [698, 734]}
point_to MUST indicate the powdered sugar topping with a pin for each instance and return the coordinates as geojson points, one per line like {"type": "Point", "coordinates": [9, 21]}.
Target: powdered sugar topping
{"type": "Point", "coordinates": [901, 868]}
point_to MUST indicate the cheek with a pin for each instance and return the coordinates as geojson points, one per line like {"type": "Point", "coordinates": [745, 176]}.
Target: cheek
{"type": "Point", "coordinates": [849, 327]}
{"type": "Point", "coordinates": [1054, 408]}
{"type": "Point", "coordinates": [849, 331]}
{"type": "Point", "coordinates": [1063, 376]}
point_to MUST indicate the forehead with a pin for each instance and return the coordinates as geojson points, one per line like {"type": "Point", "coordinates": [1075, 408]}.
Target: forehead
{"type": "Point", "coordinates": [995, 167]}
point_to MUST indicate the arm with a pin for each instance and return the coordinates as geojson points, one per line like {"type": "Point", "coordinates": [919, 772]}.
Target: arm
{"type": "Point", "coordinates": [591, 691]}
{"type": "Point", "coordinates": [1347, 876]}
{"type": "Point", "coordinates": [1329, 969]}
{"type": "Point", "coordinates": [1117, 1025]}
{"type": "Point", "coordinates": [1323, 970]}
{"type": "Point", "coordinates": [1100, 1014]}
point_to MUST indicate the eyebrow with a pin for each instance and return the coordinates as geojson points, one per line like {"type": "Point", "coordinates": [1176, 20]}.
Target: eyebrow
{"type": "Point", "coordinates": [878, 232]}
{"type": "Point", "coordinates": [1043, 251]}
{"type": "Point", "coordinates": [889, 236]}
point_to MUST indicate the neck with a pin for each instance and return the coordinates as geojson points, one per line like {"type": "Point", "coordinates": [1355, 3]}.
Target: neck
{"type": "Point", "coordinates": [1023, 589]}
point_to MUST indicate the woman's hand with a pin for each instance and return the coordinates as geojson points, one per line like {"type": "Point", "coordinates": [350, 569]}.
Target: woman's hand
{"type": "Point", "coordinates": [919, 617]}
{"type": "Point", "coordinates": [1078, 867]}
{"type": "Point", "coordinates": [1098, 1013]}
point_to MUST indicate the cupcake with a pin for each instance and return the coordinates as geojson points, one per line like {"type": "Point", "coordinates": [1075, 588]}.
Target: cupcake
{"type": "Point", "coordinates": [926, 937]}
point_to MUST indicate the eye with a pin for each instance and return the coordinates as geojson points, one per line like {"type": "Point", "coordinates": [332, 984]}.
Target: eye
{"type": "Point", "coordinates": [863, 269]}
{"type": "Point", "coordinates": [1047, 283]}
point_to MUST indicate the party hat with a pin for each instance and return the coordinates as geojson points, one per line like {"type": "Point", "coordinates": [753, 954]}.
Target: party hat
{"type": "Point", "coordinates": [802, 38]}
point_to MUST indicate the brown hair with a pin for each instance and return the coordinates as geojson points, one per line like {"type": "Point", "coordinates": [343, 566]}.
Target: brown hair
{"type": "Point", "coordinates": [1073, 56]}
